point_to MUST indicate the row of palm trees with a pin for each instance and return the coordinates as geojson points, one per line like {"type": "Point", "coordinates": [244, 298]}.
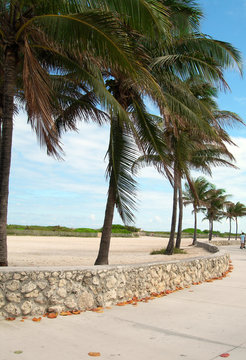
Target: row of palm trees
{"type": "Point", "coordinates": [213, 202]}
{"type": "Point", "coordinates": [71, 60]}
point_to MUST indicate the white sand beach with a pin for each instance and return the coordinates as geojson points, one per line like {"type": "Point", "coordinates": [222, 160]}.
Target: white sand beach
{"type": "Point", "coordinates": [75, 251]}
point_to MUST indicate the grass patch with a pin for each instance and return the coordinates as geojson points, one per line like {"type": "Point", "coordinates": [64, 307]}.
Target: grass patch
{"type": "Point", "coordinates": [162, 251]}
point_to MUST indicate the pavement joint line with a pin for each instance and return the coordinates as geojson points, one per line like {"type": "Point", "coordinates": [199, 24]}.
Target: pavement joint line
{"type": "Point", "coordinates": [182, 335]}
{"type": "Point", "coordinates": [230, 350]}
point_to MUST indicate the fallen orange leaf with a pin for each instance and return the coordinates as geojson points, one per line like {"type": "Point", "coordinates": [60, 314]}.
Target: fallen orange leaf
{"type": "Point", "coordinates": [22, 320]}
{"type": "Point", "coordinates": [76, 312]}
{"type": "Point", "coordinates": [10, 318]}
{"type": "Point", "coordinates": [52, 315]}
{"type": "Point", "coordinates": [24, 317]}
{"type": "Point", "coordinates": [225, 355]}
{"type": "Point", "coordinates": [121, 304]}
{"type": "Point", "coordinates": [169, 291]}
{"type": "Point", "coordinates": [65, 313]}
{"type": "Point", "coordinates": [94, 354]}
{"type": "Point", "coordinates": [36, 319]}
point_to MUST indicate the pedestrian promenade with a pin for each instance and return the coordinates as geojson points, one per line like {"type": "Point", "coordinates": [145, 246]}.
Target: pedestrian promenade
{"type": "Point", "coordinates": [198, 323]}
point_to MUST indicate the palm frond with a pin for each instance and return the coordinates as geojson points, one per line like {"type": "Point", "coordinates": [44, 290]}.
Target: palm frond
{"type": "Point", "coordinates": [122, 153]}
{"type": "Point", "coordinates": [38, 95]}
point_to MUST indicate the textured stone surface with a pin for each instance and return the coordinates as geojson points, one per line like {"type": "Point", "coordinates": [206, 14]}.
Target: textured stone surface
{"type": "Point", "coordinates": [36, 292]}
{"type": "Point", "coordinates": [13, 297]}
{"type": "Point", "coordinates": [26, 307]}
{"type": "Point", "coordinates": [28, 287]}
{"type": "Point", "coordinates": [13, 285]}
{"type": "Point", "coordinates": [12, 309]}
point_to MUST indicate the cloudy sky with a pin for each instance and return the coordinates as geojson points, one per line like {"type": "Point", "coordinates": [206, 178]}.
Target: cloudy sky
{"type": "Point", "coordinates": [72, 192]}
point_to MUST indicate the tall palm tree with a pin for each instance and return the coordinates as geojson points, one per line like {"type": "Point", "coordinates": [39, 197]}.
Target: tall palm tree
{"type": "Point", "coordinates": [129, 94]}
{"type": "Point", "coordinates": [38, 39]}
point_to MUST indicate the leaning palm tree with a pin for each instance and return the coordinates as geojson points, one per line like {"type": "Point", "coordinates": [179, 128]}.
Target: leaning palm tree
{"type": "Point", "coordinates": [122, 153]}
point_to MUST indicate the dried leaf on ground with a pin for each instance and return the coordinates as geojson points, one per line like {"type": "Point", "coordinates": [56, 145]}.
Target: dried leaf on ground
{"type": "Point", "coordinates": [36, 319]}
{"type": "Point", "coordinates": [52, 315]}
{"type": "Point", "coordinates": [94, 353]}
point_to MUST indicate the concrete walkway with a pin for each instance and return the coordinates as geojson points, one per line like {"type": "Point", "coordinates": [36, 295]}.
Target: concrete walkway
{"type": "Point", "coordinates": [198, 323]}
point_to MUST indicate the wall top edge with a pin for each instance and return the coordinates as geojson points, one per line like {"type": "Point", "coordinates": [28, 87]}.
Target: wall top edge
{"type": "Point", "coordinates": [15, 269]}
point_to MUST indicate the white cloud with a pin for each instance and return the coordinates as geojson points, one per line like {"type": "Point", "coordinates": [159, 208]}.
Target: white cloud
{"type": "Point", "coordinates": [73, 192]}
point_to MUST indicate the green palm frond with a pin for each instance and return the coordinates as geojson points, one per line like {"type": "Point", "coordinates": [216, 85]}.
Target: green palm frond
{"type": "Point", "coordinates": [122, 153]}
{"type": "Point", "coordinates": [150, 17]}
{"type": "Point", "coordinates": [98, 31]}
{"type": "Point", "coordinates": [197, 54]}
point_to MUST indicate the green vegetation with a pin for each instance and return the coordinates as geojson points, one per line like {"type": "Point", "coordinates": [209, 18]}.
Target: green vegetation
{"type": "Point", "coordinates": [116, 229]}
{"type": "Point", "coordinates": [84, 230]}
{"type": "Point", "coordinates": [191, 231]}
{"type": "Point", "coordinates": [163, 251]}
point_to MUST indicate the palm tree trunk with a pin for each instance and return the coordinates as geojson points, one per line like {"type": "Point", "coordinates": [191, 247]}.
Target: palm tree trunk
{"type": "Point", "coordinates": [6, 146]}
{"type": "Point", "coordinates": [195, 228]}
{"type": "Point", "coordinates": [170, 245]}
{"type": "Point", "coordinates": [102, 257]}
{"type": "Point", "coordinates": [180, 219]}
{"type": "Point", "coordinates": [236, 228]}
{"type": "Point", "coordinates": [229, 237]}
{"type": "Point", "coordinates": [210, 230]}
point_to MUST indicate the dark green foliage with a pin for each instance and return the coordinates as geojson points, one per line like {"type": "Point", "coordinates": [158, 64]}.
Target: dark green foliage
{"type": "Point", "coordinates": [118, 229]}
{"type": "Point", "coordinates": [191, 231]}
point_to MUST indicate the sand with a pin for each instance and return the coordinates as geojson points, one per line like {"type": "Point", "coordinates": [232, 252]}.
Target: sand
{"type": "Point", "coordinates": [65, 251]}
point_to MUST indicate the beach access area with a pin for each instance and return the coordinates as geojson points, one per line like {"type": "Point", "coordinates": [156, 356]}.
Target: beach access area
{"type": "Point", "coordinates": [74, 251]}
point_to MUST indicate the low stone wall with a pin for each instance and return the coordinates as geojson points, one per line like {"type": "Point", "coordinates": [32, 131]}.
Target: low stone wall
{"type": "Point", "coordinates": [34, 291]}
{"type": "Point", "coordinates": [208, 246]}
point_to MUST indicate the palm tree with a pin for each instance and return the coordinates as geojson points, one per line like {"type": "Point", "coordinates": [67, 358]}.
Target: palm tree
{"type": "Point", "coordinates": [196, 194]}
{"type": "Point", "coordinates": [214, 208]}
{"type": "Point", "coordinates": [229, 214]}
{"type": "Point", "coordinates": [122, 153]}
{"type": "Point", "coordinates": [38, 39]}
{"type": "Point", "coordinates": [239, 210]}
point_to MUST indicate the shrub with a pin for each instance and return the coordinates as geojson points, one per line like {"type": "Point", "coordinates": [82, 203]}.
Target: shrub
{"type": "Point", "coordinates": [162, 251]}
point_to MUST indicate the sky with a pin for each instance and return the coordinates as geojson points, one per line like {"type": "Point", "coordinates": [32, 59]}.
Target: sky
{"type": "Point", "coordinates": [72, 192]}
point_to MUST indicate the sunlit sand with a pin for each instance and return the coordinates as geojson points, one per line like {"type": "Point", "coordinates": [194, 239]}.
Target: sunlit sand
{"type": "Point", "coordinates": [75, 251]}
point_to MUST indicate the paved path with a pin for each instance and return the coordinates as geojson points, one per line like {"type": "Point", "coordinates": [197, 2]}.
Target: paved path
{"type": "Point", "coordinates": [198, 323]}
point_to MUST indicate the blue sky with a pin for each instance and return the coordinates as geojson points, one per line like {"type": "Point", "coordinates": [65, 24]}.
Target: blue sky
{"type": "Point", "coordinates": [72, 192]}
